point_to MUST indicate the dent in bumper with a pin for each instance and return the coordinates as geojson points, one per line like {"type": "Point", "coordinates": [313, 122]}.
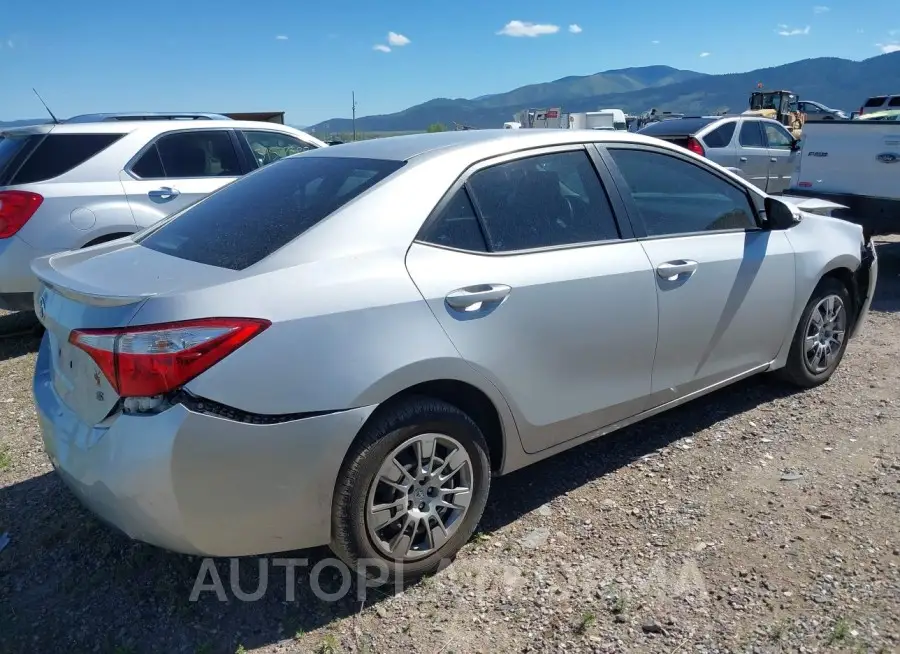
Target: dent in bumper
{"type": "Point", "coordinates": [201, 484]}
{"type": "Point", "coordinates": [866, 278]}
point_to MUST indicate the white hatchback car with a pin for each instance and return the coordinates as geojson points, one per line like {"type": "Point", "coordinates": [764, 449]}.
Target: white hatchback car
{"type": "Point", "coordinates": [75, 184]}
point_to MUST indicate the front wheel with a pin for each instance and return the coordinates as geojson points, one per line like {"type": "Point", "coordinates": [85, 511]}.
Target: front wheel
{"type": "Point", "coordinates": [411, 491]}
{"type": "Point", "coordinates": [821, 336]}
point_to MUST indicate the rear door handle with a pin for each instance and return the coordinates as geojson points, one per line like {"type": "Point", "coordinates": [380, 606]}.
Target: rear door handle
{"type": "Point", "coordinates": [672, 269]}
{"type": "Point", "coordinates": [164, 193]}
{"type": "Point", "coordinates": [463, 298]}
{"type": "Point", "coordinates": [743, 159]}
{"type": "Point", "coordinates": [773, 159]}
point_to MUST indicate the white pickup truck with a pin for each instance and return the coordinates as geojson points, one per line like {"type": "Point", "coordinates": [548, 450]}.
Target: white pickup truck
{"type": "Point", "coordinates": [855, 163]}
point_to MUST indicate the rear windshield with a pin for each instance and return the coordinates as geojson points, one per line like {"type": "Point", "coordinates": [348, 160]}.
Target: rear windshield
{"type": "Point", "coordinates": [252, 217]}
{"type": "Point", "coordinates": [877, 101]}
{"type": "Point", "coordinates": [676, 126]}
{"type": "Point", "coordinates": [51, 155]}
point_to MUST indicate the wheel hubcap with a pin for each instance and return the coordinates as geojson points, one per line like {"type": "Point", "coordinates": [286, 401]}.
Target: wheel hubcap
{"type": "Point", "coordinates": [825, 334]}
{"type": "Point", "coordinates": [419, 496]}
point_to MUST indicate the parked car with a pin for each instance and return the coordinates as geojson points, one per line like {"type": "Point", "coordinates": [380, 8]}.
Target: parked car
{"type": "Point", "coordinates": [72, 185]}
{"type": "Point", "coordinates": [343, 346]}
{"type": "Point", "coordinates": [817, 111]}
{"type": "Point", "coordinates": [889, 115]}
{"type": "Point", "coordinates": [880, 103]}
{"type": "Point", "coordinates": [761, 150]}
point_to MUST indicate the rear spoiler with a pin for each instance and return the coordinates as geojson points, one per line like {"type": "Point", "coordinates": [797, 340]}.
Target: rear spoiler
{"type": "Point", "coordinates": [49, 276]}
{"type": "Point", "coordinates": [812, 205]}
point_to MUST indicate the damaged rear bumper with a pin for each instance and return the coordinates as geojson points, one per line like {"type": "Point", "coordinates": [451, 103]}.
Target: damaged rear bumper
{"type": "Point", "coordinates": [865, 279]}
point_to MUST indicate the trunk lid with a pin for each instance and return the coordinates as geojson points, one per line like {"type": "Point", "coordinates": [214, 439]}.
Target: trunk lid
{"type": "Point", "coordinates": [103, 287]}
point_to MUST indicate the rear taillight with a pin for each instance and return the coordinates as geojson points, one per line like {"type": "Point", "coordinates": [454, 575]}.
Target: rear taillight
{"type": "Point", "coordinates": [16, 208]}
{"type": "Point", "coordinates": [155, 359]}
{"type": "Point", "coordinates": [694, 146]}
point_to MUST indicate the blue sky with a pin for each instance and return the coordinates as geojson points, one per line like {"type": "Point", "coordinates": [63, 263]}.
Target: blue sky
{"type": "Point", "coordinates": [306, 57]}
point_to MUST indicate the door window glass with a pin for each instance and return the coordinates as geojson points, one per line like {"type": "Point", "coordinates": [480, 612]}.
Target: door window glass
{"type": "Point", "coordinates": [543, 201]}
{"type": "Point", "coordinates": [778, 136]}
{"type": "Point", "coordinates": [752, 135]}
{"type": "Point", "coordinates": [720, 137]}
{"type": "Point", "coordinates": [457, 226]}
{"type": "Point", "coordinates": [268, 147]}
{"type": "Point", "coordinates": [677, 197]}
{"type": "Point", "coordinates": [198, 153]}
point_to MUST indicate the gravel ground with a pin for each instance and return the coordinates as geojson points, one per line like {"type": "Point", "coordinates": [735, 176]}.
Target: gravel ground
{"type": "Point", "coordinates": [757, 519]}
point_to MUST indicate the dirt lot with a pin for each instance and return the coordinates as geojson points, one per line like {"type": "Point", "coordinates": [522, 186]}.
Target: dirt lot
{"type": "Point", "coordinates": [757, 519]}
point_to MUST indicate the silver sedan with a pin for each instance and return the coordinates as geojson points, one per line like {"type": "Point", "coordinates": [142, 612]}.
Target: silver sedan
{"type": "Point", "coordinates": [343, 347]}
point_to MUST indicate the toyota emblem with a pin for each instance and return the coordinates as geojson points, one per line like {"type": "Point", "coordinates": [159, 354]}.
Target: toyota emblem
{"type": "Point", "coordinates": [42, 306]}
{"type": "Point", "coordinates": [888, 157]}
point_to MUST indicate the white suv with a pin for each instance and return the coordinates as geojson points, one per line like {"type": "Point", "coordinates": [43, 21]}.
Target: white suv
{"type": "Point", "coordinates": [75, 184]}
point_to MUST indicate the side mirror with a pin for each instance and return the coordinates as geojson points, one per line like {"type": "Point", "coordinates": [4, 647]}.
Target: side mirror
{"type": "Point", "coordinates": [795, 145]}
{"type": "Point", "coordinates": [779, 215]}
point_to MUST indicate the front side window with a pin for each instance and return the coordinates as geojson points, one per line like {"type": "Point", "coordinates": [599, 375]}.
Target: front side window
{"type": "Point", "coordinates": [542, 201]}
{"type": "Point", "coordinates": [675, 197]}
{"type": "Point", "coordinates": [251, 218]}
{"type": "Point", "coordinates": [752, 135]}
{"type": "Point", "coordinates": [269, 147]}
{"type": "Point", "coordinates": [778, 137]}
{"type": "Point", "coordinates": [200, 153]}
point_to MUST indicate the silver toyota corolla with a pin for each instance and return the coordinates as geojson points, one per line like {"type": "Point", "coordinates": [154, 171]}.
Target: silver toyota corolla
{"type": "Point", "coordinates": [345, 345]}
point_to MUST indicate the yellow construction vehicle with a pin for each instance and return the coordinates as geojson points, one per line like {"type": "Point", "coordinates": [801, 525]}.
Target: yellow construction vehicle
{"type": "Point", "coordinates": [780, 105]}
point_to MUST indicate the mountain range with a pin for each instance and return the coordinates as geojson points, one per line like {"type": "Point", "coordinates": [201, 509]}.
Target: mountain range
{"type": "Point", "coordinates": [838, 83]}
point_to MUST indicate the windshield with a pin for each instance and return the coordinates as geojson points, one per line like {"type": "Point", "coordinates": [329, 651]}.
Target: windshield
{"type": "Point", "coordinates": [250, 218]}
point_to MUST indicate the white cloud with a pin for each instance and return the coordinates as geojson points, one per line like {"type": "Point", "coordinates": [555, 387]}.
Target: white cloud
{"type": "Point", "coordinates": [397, 40]}
{"type": "Point", "coordinates": [893, 32]}
{"type": "Point", "coordinates": [281, 37]}
{"type": "Point", "coordinates": [821, 9]}
{"type": "Point", "coordinates": [705, 54]}
{"type": "Point", "coordinates": [655, 42]}
{"type": "Point", "coordinates": [784, 30]}
{"type": "Point", "coordinates": [381, 48]}
{"type": "Point", "coordinates": [887, 48]}
{"type": "Point", "coordinates": [575, 28]}
{"type": "Point", "coordinates": [860, 31]}
{"type": "Point", "coordinates": [519, 28]}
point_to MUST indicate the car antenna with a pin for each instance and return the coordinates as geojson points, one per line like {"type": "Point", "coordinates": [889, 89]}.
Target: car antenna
{"type": "Point", "coordinates": [55, 119]}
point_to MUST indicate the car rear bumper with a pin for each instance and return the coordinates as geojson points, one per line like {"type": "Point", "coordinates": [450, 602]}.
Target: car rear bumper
{"type": "Point", "coordinates": [877, 216]}
{"type": "Point", "coordinates": [866, 277]}
{"type": "Point", "coordinates": [17, 283]}
{"type": "Point", "coordinates": [197, 483]}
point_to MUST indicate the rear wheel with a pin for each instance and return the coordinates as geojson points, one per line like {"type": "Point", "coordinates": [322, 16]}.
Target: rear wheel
{"type": "Point", "coordinates": [821, 336]}
{"type": "Point", "coordinates": [411, 491]}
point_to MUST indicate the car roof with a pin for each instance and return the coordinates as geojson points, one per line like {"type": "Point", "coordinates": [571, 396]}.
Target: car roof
{"type": "Point", "coordinates": [423, 146]}
{"type": "Point", "coordinates": [154, 126]}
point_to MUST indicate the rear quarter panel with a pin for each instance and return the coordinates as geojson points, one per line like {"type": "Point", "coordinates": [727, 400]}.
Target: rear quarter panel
{"type": "Point", "coordinates": [821, 245]}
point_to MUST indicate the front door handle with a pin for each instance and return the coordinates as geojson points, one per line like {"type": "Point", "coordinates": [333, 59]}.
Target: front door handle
{"type": "Point", "coordinates": [164, 193]}
{"type": "Point", "coordinates": [773, 159]}
{"type": "Point", "coordinates": [464, 298]}
{"type": "Point", "coordinates": [672, 269]}
{"type": "Point", "coordinates": [743, 159]}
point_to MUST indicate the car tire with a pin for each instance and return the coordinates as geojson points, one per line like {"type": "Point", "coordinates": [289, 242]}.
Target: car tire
{"type": "Point", "coordinates": [364, 484]}
{"type": "Point", "coordinates": [801, 369]}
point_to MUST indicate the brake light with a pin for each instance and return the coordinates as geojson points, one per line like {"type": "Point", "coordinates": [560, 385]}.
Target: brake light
{"type": "Point", "coordinates": [155, 359]}
{"type": "Point", "coordinates": [16, 208]}
{"type": "Point", "coordinates": [694, 146]}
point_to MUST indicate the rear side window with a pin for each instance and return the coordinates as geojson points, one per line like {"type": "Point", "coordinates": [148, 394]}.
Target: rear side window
{"type": "Point", "coordinates": [200, 153]}
{"type": "Point", "coordinates": [752, 135]}
{"type": "Point", "coordinates": [877, 101]}
{"type": "Point", "coordinates": [895, 101]}
{"type": "Point", "coordinates": [456, 226]}
{"type": "Point", "coordinates": [720, 137]}
{"type": "Point", "coordinates": [12, 151]}
{"type": "Point", "coordinates": [57, 154]}
{"type": "Point", "coordinates": [249, 219]}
